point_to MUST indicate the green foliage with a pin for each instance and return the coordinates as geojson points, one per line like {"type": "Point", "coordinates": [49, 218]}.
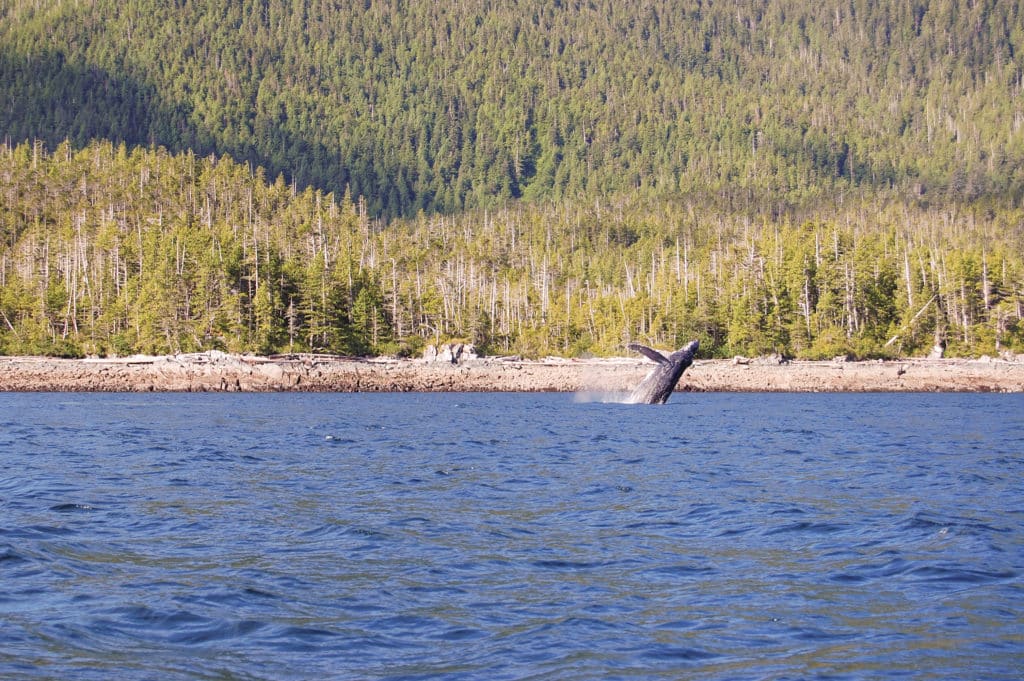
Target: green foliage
{"type": "Point", "coordinates": [442, 105]}
{"type": "Point", "coordinates": [111, 250]}
{"type": "Point", "coordinates": [807, 178]}
{"type": "Point", "coordinates": [371, 328]}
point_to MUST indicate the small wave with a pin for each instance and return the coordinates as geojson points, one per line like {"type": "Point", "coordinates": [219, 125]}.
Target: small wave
{"type": "Point", "coordinates": [38, 532]}
{"type": "Point", "coordinates": [789, 510]}
{"type": "Point", "coordinates": [72, 508]}
{"type": "Point", "coordinates": [566, 564]}
{"type": "Point", "coordinates": [958, 575]}
{"type": "Point", "coordinates": [325, 531]}
{"type": "Point", "coordinates": [216, 630]}
{"type": "Point", "coordinates": [735, 531]}
{"type": "Point", "coordinates": [239, 598]}
{"type": "Point", "coordinates": [816, 528]}
{"type": "Point", "coordinates": [654, 525]}
{"type": "Point", "coordinates": [145, 623]}
{"type": "Point", "coordinates": [411, 520]}
{"type": "Point", "coordinates": [599, 489]}
{"type": "Point", "coordinates": [680, 654]}
{"type": "Point", "coordinates": [682, 570]}
{"type": "Point", "coordinates": [9, 556]}
{"type": "Point", "coordinates": [367, 533]}
{"type": "Point", "coordinates": [461, 634]}
{"type": "Point", "coordinates": [303, 639]}
{"type": "Point", "coordinates": [681, 625]}
{"type": "Point", "coordinates": [915, 572]}
{"type": "Point", "coordinates": [816, 634]}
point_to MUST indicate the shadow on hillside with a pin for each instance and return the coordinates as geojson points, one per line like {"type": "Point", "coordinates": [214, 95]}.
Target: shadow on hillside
{"type": "Point", "coordinates": [44, 97]}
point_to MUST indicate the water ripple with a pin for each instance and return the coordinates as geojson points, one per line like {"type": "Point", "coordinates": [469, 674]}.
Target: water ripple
{"type": "Point", "coordinates": [510, 537]}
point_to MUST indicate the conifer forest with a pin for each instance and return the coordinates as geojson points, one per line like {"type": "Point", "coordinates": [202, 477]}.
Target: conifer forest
{"type": "Point", "coordinates": [538, 177]}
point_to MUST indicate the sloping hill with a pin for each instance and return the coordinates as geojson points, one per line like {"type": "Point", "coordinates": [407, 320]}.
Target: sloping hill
{"type": "Point", "coordinates": [439, 105]}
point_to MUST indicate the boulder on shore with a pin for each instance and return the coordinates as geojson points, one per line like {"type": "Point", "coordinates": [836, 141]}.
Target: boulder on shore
{"type": "Point", "coordinates": [453, 353]}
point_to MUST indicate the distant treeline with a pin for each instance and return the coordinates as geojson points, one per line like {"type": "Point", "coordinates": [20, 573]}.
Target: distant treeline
{"type": "Point", "coordinates": [446, 105]}
{"type": "Point", "coordinates": [111, 249]}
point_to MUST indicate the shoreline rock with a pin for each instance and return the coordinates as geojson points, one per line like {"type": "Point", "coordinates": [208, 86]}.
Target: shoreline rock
{"type": "Point", "coordinates": [221, 372]}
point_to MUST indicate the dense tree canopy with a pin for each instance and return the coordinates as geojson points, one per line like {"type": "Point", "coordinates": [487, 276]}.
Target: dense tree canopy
{"type": "Point", "coordinates": [111, 249]}
{"type": "Point", "coordinates": [808, 177]}
{"type": "Point", "coordinates": [441, 105]}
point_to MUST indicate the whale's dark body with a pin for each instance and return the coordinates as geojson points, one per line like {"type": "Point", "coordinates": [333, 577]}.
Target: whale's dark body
{"type": "Point", "coordinates": [659, 384]}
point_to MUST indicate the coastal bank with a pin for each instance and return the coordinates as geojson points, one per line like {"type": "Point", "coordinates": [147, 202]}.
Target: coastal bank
{"type": "Point", "coordinates": [220, 372]}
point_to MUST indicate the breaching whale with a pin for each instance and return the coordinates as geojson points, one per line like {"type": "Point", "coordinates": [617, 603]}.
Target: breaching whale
{"type": "Point", "coordinates": [659, 384]}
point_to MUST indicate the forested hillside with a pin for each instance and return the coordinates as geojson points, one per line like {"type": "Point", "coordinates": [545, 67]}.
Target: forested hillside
{"type": "Point", "coordinates": [117, 250]}
{"type": "Point", "coordinates": [814, 178]}
{"type": "Point", "coordinates": [441, 105]}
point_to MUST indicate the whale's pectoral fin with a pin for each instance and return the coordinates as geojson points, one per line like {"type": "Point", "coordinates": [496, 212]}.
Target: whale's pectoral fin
{"type": "Point", "coordinates": [649, 353]}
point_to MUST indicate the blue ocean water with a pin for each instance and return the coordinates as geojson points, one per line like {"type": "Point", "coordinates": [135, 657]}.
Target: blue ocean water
{"type": "Point", "coordinates": [522, 536]}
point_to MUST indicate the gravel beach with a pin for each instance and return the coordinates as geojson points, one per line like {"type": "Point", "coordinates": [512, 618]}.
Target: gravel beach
{"type": "Point", "coordinates": [216, 371]}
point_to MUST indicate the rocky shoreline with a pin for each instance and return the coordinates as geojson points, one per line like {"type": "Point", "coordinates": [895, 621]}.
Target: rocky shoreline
{"type": "Point", "coordinates": [220, 372]}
